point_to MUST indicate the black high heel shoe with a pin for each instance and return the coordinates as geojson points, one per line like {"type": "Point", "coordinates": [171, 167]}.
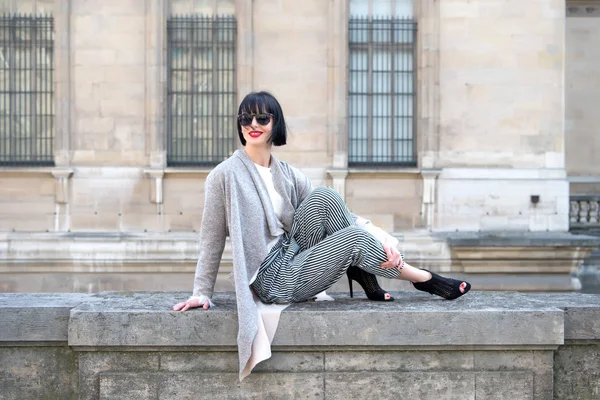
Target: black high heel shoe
{"type": "Point", "coordinates": [369, 284]}
{"type": "Point", "coordinates": [447, 288]}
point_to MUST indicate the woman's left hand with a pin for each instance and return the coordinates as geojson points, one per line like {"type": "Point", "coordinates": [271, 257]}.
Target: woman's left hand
{"type": "Point", "coordinates": [394, 257]}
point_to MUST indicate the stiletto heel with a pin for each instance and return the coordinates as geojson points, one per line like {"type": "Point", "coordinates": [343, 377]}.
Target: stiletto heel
{"type": "Point", "coordinates": [369, 284]}
{"type": "Point", "coordinates": [447, 288]}
{"type": "Point", "coordinates": [350, 285]}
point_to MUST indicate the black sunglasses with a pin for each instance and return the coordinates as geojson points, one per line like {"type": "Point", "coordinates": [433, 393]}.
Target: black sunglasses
{"type": "Point", "coordinates": [261, 119]}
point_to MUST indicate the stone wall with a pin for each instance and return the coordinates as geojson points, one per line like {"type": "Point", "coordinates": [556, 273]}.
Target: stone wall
{"type": "Point", "coordinates": [501, 133]}
{"type": "Point", "coordinates": [490, 119]}
{"type": "Point", "coordinates": [481, 78]}
{"type": "Point", "coordinates": [582, 88]}
{"type": "Point", "coordinates": [130, 345]}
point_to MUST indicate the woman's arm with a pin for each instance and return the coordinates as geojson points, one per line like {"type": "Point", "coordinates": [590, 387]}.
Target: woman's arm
{"type": "Point", "coordinates": [380, 234]}
{"type": "Point", "coordinates": [389, 242]}
{"type": "Point", "coordinates": [213, 232]}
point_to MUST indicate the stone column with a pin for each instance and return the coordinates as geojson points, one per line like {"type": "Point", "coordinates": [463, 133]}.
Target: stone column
{"type": "Point", "coordinates": [428, 79]}
{"type": "Point", "coordinates": [62, 64]}
{"type": "Point", "coordinates": [245, 47]}
{"type": "Point", "coordinates": [337, 93]}
{"type": "Point", "coordinates": [155, 82]}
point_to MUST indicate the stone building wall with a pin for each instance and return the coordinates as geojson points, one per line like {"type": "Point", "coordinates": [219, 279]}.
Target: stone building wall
{"type": "Point", "coordinates": [582, 96]}
{"type": "Point", "coordinates": [490, 115]}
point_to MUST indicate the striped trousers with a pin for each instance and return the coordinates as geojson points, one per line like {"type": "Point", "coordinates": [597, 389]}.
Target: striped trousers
{"type": "Point", "coordinates": [321, 245]}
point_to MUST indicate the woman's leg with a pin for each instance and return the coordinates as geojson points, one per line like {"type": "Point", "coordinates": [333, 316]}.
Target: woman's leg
{"type": "Point", "coordinates": [321, 214]}
{"type": "Point", "coordinates": [323, 264]}
{"type": "Point", "coordinates": [328, 243]}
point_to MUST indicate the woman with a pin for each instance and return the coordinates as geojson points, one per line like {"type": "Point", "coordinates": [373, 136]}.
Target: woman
{"type": "Point", "coordinates": [289, 242]}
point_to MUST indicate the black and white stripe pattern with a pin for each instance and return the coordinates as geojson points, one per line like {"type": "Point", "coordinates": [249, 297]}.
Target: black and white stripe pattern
{"type": "Point", "coordinates": [321, 245]}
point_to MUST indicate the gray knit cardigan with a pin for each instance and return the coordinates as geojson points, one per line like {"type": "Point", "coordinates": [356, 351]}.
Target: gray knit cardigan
{"type": "Point", "coordinates": [237, 204]}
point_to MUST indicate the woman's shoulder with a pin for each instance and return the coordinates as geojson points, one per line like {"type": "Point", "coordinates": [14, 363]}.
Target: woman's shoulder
{"type": "Point", "coordinates": [225, 167]}
{"type": "Point", "coordinates": [289, 170]}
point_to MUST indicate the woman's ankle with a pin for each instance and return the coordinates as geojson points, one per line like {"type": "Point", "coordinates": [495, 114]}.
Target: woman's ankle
{"type": "Point", "coordinates": [424, 276]}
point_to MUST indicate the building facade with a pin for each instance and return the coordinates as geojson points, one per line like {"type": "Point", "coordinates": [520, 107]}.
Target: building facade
{"type": "Point", "coordinates": [431, 118]}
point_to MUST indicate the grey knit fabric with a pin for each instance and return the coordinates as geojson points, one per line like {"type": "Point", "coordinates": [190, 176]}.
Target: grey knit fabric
{"type": "Point", "coordinates": [238, 205]}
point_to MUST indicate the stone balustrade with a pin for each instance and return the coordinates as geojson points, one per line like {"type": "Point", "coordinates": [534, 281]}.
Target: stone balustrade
{"type": "Point", "coordinates": [492, 345]}
{"type": "Point", "coordinates": [584, 212]}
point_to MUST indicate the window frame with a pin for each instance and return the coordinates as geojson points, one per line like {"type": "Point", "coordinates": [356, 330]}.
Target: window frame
{"type": "Point", "coordinates": [15, 97]}
{"type": "Point", "coordinates": [223, 139]}
{"type": "Point", "coordinates": [368, 159]}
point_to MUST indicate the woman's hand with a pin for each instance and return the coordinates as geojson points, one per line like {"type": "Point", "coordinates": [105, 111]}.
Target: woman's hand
{"type": "Point", "coordinates": [394, 257]}
{"type": "Point", "coordinates": [192, 303]}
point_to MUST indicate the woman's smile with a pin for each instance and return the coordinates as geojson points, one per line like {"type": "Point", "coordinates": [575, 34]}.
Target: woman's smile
{"type": "Point", "coordinates": [254, 134]}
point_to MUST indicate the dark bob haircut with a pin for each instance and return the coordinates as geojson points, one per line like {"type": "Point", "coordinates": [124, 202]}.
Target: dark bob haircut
{"type": "Point", "coordinates": [264, 102]}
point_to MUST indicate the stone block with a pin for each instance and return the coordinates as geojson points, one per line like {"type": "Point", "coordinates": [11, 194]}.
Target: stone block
{"type": "Point", "coordinates": [504, 385]}
{"type": "Point", "coordinates": [110, 90]}
{"type": "Point", "coordinates": [87, 28]}
{"type": "Point", "coordinates": [577, 373]}
{"type": "Point", "coordinates": [406, 361]}
{"type": "Point", "coordinates": [184, 222]}
{"type": "Point", "coordinates": [98, 57]}
{"type": "Point", "coordinates": [514, 252]}
{"type": "Point", "coordinates": [423, 385]}
{"type": "Point", "coordinates": [539, 363]}
{"type": "Point", "coordinates": [43, 205]}
{"type": "Point", "coordinates": [94, 364]}
{"type": "Point", "coordinates": [126, 75]}
{"type": "Point", "coordinates": [139, 222]}
{"type": "Point", "coordinates": [582, 313]}
{"type": "Point", "coordinates": [109, 8]}
{"type": "Point", "coordinates": [123, 107]}
{"type": "Point", "coordinates": [125, 386]}
{"type": "Point", "coordinates": [93, 126]}
{"type": "Point", "coordinates": [36, 318]}
{"type": "Point", "coordinates": [37, 372]}
{"type": "Point", "coordinates": [211, 386]}
{"type": "Point", "coordinates": [34, 223]}
{"type": "Point", "coordinates": [95, 221]}
{"type": "Point", "coordinates": [145, 320]}
{"type": "Point", "coordinates": [123, 158]}
{"type": "Point", "coordinates": [304, 361]}
{"type": "Point", "coordinates": [26, 188]}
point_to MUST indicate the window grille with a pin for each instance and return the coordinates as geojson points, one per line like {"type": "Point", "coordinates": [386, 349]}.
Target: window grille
{"type": "Point", "coordinates": [201, 89]}
{"type": "Point", "coordinates": [26, 90]}
{"type": "Point", "coordinates": [381, 98]}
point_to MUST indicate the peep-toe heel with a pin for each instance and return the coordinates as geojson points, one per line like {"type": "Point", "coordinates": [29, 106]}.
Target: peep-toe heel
{"type": "Point", "coordinates": [447, 288]}
{"type": "Point", "coordinates": [369, 284]}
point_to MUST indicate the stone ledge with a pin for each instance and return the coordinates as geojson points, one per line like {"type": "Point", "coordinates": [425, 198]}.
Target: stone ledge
{"type": "Point", "coordinates": [519, 239]}
{"type": "Point", "coordinates": [581, 313]}
{"type": "Point", "coordinates": [519, 252]}
{"type": "Point", "coordinates": [145, 319]}
{"type": "Point", "coordinates": [414, 319]}
{"type": "Point", "coordinates": [36, 317]}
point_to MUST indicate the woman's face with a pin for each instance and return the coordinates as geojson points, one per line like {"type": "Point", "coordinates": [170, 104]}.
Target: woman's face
{"type": "Point", "coordinates": [258, 131]}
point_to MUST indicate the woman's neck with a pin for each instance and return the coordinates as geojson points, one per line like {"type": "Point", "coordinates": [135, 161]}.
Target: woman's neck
{"type": "Point", "coordinates": [260, 156]}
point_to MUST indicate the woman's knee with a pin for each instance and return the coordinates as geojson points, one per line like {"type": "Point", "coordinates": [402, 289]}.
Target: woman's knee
{"type": "Point", "coordinates": [326, 194]}
{"type": "Point", "coordinates": [356, 233]}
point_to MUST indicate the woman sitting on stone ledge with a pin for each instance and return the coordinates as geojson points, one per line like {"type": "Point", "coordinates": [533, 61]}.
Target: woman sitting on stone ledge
{"type": "Point", "coordinates": [289, 242]}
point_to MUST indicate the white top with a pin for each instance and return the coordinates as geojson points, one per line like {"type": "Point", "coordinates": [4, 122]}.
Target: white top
{"type": "Point", "coordinates": [276, 199]}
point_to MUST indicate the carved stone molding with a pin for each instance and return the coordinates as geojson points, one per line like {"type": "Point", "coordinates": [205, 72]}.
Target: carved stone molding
{"type": "Point", "coordinates": [429, 196]}
{"type": "Point", "coordinates": [61, 192]}
{"type": "Point", "coordinates": [156, 187]}
{"type": "Point", "coordinates": [584, 9]}
{"type": "Point", "coordinates": [339, 180]}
